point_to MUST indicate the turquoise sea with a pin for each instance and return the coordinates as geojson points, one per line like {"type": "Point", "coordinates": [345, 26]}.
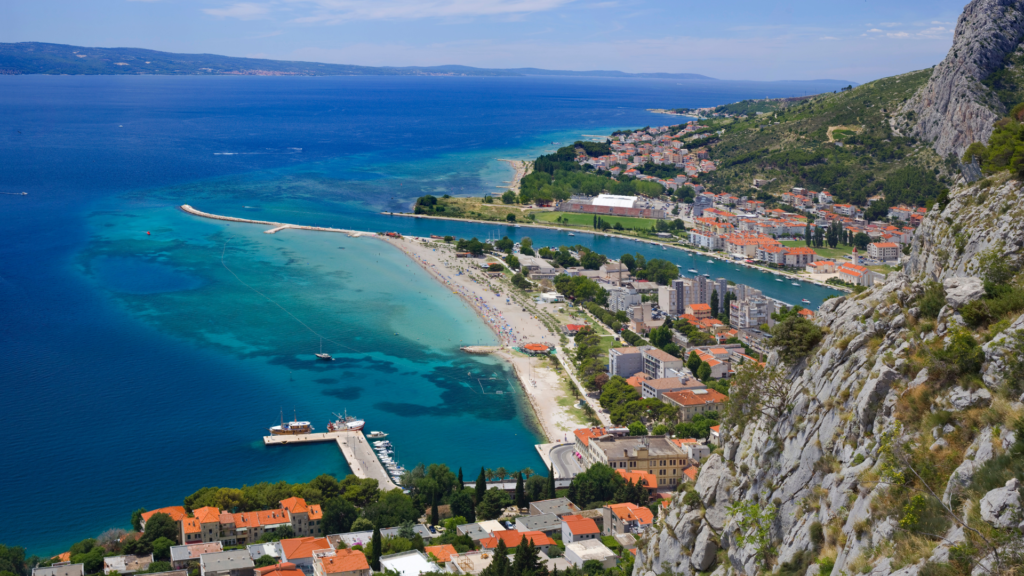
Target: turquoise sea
{"type": "Point", "coordinates": [143, 352]}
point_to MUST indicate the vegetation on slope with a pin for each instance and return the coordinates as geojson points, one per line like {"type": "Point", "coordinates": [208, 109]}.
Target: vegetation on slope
{"type": "Point", "coordinates": [841, 142]}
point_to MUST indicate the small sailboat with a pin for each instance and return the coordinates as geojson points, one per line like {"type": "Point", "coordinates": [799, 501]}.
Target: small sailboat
{"type": "Point", "coordinates": [323, 355]}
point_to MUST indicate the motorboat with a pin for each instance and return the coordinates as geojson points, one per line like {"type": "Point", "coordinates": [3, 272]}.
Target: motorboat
{"type": "Point", "coordinates": [377, 435]}
{"type": "Point", "coordinates": [779, 280]}
{"type": "Point", "coordinates": [692, 271]}
{"type": "Point", "coordinates": [806, 301]}
{"type": "Point", "coordinates": [796, 283]}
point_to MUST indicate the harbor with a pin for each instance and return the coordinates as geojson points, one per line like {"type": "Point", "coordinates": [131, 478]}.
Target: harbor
{"type": "Point", "coordinates": [358, 452]}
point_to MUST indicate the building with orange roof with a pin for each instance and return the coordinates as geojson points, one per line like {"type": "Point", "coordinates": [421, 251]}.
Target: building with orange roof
{"type": "Point", "coordinates": [576, 528]}
{"type": "Point", "coordinates": [698, 310]}
{"type": "Point", "coordinates": [637, 380]}
{"type": "Point", "coordinates": [695, 449]}
{"type": "Point", "coordinates": [821, 267]}
{"type": "Point", "coordinates": [513, 538]}
{"type": "Point", "coordinates": [626, 518]}
{"type": "Point", "coordinates": [643, 478]}
{"type": "Point", "coordinates": [716, 434]}
{"type": "Point", "coordinates": [691, 473]}
{"type": "Point", "coordinates": [280, 569]}
{"type": "Point", "coordinates": [344, 562]}
{"type": "Point", "coordinates": [798, 257]}
{"type": "Point", "coordinates": [299, 551]}
{"type": "Point", "coordinates": [884, 251]}
{"type": "Point", "coordinates": [442, 553]}
{"type": "Point", "coordinates": [693, 402]}
{"type": "Point", "coordinates": [806, 313]}
{"type": "Point", "coordinates": [177, 513]}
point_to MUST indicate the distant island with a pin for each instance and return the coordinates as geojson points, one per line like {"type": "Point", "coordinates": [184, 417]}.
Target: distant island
{"type": "Point", "coordinates": [44, 58]}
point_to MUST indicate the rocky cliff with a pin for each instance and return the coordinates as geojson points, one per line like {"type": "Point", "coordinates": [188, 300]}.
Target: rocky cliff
{"type": "Point", "coordinates": [884, 368]}
{"type": "Point", "coordinates": [955, 108]}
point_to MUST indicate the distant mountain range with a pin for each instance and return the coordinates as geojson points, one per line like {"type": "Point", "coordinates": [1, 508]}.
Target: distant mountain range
{"type": "Point", "coordinates": [44, 58]}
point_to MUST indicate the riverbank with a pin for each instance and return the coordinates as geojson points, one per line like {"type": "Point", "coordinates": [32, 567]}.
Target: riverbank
{"type": "Point", "coordinates": [651, 241]}
{"type": "Point", "coordinates": [512, 323]}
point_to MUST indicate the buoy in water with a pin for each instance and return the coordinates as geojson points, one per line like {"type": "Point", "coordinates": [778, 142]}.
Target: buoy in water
{"type": "Point", "coordinates": [147, 232]}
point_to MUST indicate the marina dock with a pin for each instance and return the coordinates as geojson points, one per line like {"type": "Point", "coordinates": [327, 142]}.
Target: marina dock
{"type": "Point", "coordinates": [357, 452]}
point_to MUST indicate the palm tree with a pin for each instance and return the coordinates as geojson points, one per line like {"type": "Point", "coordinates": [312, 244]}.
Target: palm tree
{"type": "Point", "coordinates": [501, 473]}
{"type": "Point", "coordinates": [489, 474]}
{"type": "Point", "coordinates": [527, 472]}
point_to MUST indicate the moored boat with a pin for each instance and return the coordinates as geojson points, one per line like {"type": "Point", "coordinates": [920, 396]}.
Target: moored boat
{"type": "Point", "coordinates": [291, 428]}
{"type": "Point", "coordinates": [806, 301]}
{"type": "Point", "coordinates": [377, 435]}
{"type": "Point", "coordinates": [345, 422]}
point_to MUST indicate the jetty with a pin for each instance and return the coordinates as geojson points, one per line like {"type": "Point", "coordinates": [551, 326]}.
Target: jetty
{"type": "Point", "coordinates": [275, 226]}
{"type": "Point", "coordinates": [359, 454]}
{"type": "Point", "coordinates": [480, 349]}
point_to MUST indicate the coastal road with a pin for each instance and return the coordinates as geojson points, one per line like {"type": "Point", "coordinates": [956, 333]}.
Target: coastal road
{"type": "Point", "coordinates": [566, 465]}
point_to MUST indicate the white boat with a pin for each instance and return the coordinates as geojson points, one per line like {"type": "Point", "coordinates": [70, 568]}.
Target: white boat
{"type": "Point", "coordinates": [571, 234]}
{"type": "Point", "coordinates": [323, 355]}
{"type": "Point", "coordinates": [376, 434]}
{"type": "Point", "coordinates": [806, 301]}
{"type": "Point", "coordinates": [692, 271]}
{"type": "Point", "coordinates": [796, 283]}
{"type": "Point", "coordinates": [707, 275]}
{"type": "Point", "coordinates": [345, 422]}
{"type": "Point", "coordinates": [292, 428]}
{"type": "Point", "coordinates": [711, 261]}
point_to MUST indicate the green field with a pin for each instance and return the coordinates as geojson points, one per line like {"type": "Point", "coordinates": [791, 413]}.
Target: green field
{"type": "Point", "coordinates": [587, 220]}
{"type": "Point", "coordinates": [836, 253]}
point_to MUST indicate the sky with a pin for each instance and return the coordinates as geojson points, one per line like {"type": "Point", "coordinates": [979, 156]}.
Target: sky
{"type": "Point", "coordinates": [856, 40]}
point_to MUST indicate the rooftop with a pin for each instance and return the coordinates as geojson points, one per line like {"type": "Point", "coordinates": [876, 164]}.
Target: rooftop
{"type": "Point", "coordinates": [629, 512]}
{"type": "Point", "coordinates": [578, 525]}
{"type": "Point", "coordinates": [443, 553]}
{"type": "Point", "coordinates": [295, 548]}
{"type": "Point", "coordinates": [190, 551]}
{"type": "Point", "coordinates": [656, 445]}
{"type": "Point", "coordinates": [557, 506]}
{"type": "Point", "coordinates": [661, 354]}
{"type": "Point", "coordinates": [225, 561]}
{"type": "Point", "coordinates": [696, 397]}
{"type": "Point", "coordinates": [590, 550]}
{"type": "Point", "coordinates": [411, 563]}
{"type": "Point", "coordinates": [540, 522]}
{"type": "Point", "coordinates": [344, 560]}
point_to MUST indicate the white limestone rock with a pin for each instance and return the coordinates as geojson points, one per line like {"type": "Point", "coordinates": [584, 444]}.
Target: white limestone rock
{"type": "Point", "coordinates": [704, 550]}
{"type": "Point", "coordinates": [1001, 507]}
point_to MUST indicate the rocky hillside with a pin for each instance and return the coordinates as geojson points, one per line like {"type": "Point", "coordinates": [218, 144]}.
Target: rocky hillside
{"type": "Point", "coordinates": [956, 107]}
{"type": "Point", "coordinates": [893, 448]}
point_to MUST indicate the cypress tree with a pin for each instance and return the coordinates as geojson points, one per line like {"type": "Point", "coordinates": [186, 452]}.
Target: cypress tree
{"type": "Point", "coordinates": [714, 303]}
{"type": "Point", "coordinates": [481, 487]}
{"type": "Point", "coordinates": [435, 518]}
{"type": "Point", "coordinates": [461, 484]}
{"type": "Point", "coordinates": [807, 234]}
{"type": "Point", "coordinates": [375, 553]}
{"type": "Point", "coordinates": [551, 481]}
{"type": "Point", "coordinates": [520, 493]}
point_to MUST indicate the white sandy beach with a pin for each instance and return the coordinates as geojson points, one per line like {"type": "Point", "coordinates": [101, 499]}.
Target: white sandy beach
{"type": "Point", "coordinates": [513, 325]}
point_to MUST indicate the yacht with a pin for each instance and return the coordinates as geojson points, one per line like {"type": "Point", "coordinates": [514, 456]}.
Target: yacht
{"type": "Point", "coordinates": [806, 301]}
{"type": "Point", "coordinates": [323, 355]}
{"type": "Point", "coordinates": [692, 271]}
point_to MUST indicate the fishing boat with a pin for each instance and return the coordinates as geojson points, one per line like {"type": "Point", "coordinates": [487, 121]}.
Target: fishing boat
{"type": "Point", "coordinates": [806, 301]}
{"type": "Point", "coordinates": [344, 422]}
{"type": "Point", "coordinates": [377, 435]}
{"type": "Point", "coordinates": [296, 426]}
{"type": "Point", "coordinates": [323, 355]}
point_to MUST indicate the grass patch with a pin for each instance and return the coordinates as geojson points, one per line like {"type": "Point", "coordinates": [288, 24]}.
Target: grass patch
{"type": "Point", "coordinates": [836, 253]}
{"type": "Point", "coordinates": [587, 220]}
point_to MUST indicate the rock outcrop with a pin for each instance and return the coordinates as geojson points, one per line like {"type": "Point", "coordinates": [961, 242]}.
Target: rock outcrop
{"type": "Point", "coordinates": [955, 108]}
{"type": "Point", "coordinates": [819, 462]}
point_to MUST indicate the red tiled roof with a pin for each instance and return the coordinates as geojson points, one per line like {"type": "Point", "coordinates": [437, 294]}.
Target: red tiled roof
{"type": "Point", "coordinates": [629, 512]}
{"type": "Point", "coordinates": [295, 548]}
{"type": "Point", "coordinates": [280, 569]}
{"type": "Point", "coordinates": [443, 553]}
{"type": "Point", "coordinates": [177, 513]}
{"type": "Point", "coordinates": [585, 434]}
{"type": "Point", "coordinates": [514, 538]}
{"type": "Point", "coordinates": [578, 525]}
{"type": "Point", "coordinates": [690, 398]}
{"type": "Point", "coordinates": [206, 514]}
{"type": "Point", "coordinates": [344, 560]}
{"type": "Point", "coordinates": [691, 473]}
{"type": "Point", "coordinates": [641, 477]}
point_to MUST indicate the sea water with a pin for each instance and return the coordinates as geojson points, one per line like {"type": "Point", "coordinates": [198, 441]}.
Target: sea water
{"type": "Point", "coordinates": [144, 352]}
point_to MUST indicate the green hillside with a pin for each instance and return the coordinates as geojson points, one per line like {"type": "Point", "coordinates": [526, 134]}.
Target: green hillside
{"type": "Point", "coordinates": [841, 142]}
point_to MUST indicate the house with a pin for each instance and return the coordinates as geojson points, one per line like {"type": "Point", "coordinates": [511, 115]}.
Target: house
{"type": "Point", "coordinates": [640, 478]}
{"type": "Point", "coordinates": [716, 434]}
{"type": "Point", "coordinates": [654, 455]}
{"type": "Point", "coordinates": [580, 552]}
{"type": "Point", "coordinates": [884, 251]}
{"type": "Point", "coordinates": [626, 518]}
{"type": "Point", "coordinates": [177, 513]}
{"type": "Point", "coordinates": [693, 402]}
{"type": "Point", "coordinates": [657, 362]}
{"type": "Point", "coordinates": [513, 538]}
{"type": "Point", "coordinates": [442, 554]}
{"type": "Point", "coordinates": [655, 387]}
{"type": "Point", "coordinates": [573, 329]}
{"type": "Point", "coordinates": [299, 551]}
{"type": "Point", "coordinates": [280, 569]}
{"type": "Point", "coordinates": [469, 563]}
{"type": "Point", "coordinates": [854, 274]}
{"type": "Point", "coordinates": [821, 267]}
{"type": "Point", "coordinates": [411, 563]}
{"type": "Point", "coordinates": [695, 449]}
{"type": "Point", "coordinates": [699, 311]}
{"type": "Point", "coordinates": [546, 523]}
{"type": "Point", "coordinates": [344, 562]}
{"type": "Point", "coordinates": [798, 257]}
{"type": "Point", "coordinates": [127, 564]}
{"type": "Point", "coordinates": [230, 563]}
{"type": "Point", "coordinates": [557, 506]}
{"type": "Point", "coordinates": [60, 570]}
{"type": "Point", "coordinates": [576, 528]}
{"type": "Point", "coordinates": [625, 362]}
{"type": "Point", "coordinates": [182, 555]}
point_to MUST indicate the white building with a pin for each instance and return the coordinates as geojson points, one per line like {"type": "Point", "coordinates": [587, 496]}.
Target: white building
{"type": "Point", "coordinates": [411, 563]}
{"type": "Point", "coordinates": [580, 552]}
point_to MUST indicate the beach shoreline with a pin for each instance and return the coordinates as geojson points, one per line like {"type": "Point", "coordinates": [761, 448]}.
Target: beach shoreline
{"type": "Point", "coordinates": [652, 242]}
{"type": "Point", "coordinates": [510, 322]}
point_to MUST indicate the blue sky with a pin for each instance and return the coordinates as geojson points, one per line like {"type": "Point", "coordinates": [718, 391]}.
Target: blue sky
{"type": "Point", "coordinates": [856, 40]}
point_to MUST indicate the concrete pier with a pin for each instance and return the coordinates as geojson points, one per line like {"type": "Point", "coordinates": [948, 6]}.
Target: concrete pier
{"type": "Point", "coordinates": [354, 447]}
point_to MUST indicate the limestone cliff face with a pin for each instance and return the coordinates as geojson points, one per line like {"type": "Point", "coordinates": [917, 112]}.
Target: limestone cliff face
{"type": "Point", "coordinates": [954, 108]}
{"type": "Point", "coordinates": [812, 461]}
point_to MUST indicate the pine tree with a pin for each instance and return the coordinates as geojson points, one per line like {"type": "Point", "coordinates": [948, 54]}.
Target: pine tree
{"type": "Point", "coordinates": [435, 517]}
{"type": "Point", "coordinates": [520, 493]}
{"type": "Point", "coordinates": [375, 553]}
{"type": "Point", "coordinates": [481, 487]}
{"type": "Point", "coordinates": [499, 566]}
{"type": "Point", "coordinates": [551, 481]}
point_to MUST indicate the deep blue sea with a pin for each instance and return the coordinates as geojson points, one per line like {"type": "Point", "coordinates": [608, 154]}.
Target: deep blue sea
{"type": "Point", "coordinates": [136, 368]}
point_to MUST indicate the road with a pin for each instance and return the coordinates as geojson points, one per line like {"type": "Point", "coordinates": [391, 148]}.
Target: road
{"type": "Point", "coordinates": [566, 465]}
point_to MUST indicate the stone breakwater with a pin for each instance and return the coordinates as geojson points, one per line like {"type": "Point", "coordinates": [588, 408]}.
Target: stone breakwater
{"type": "Point", "coordinates": [276, 226]}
